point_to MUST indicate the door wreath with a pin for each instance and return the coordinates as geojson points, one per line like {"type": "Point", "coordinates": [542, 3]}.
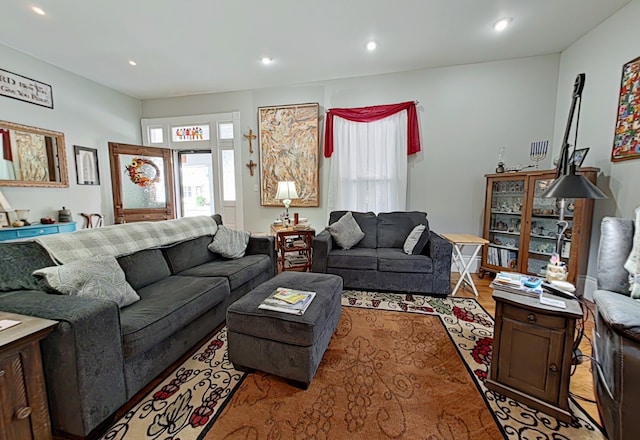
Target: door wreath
{"type": "Point", "coordinates": [143, 172]}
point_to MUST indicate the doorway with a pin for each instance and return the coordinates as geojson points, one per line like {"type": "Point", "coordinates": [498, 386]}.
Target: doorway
{"type": "Point", "coordinates": [195, 181]}
{"type": "Point", "coordinates": [207, 162]}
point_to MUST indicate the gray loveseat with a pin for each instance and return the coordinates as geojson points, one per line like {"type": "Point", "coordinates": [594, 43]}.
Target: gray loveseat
{"type": "Point", "coordinates": [99, 356]}
{"type": "Point", "coordinates": [378, 261]}
{"type": "Point", "coordinates": [616, 336]}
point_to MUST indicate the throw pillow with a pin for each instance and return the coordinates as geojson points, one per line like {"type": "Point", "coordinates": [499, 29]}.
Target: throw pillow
{"type": "Point", "coordinates": [97, 277]}
{"type": "Point", "coordinates": [412, 239]}
{"type": "Point", "coordinates": [633, 262]}
{"type": "Point", "coordinates": [346, 231]}
{"type": "Point", "coordinates": [229, 243]}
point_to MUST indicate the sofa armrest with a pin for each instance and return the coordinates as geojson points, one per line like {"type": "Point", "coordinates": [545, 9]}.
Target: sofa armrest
{"type": "Point", "coordinates": [440, 250]}
{"type": "Point", "coordinates": [264, 245]}
{"type": "Point", "coordinates": [82, 356]}
{"type": "Point", "coordinates": [620, 312]}
{"type": "Point", "coordinates": [322, 245]}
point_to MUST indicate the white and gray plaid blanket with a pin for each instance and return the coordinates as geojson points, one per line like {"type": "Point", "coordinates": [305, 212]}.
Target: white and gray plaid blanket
{"type": "Point", "coordinates": [124, 239]}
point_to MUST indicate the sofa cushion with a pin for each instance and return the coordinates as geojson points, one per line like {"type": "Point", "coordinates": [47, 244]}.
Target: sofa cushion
{"type": "Point", "coordinates": [346, 232]}
{"type": "Point", "coordinates": [18, 260]}
{"type": "Point", "coordinates": [189, 253]}
{"type": "Point", "coordinates": [394, 227]}
{"type": "Point", "coordinates": [229, 243]}
{"type": "Point", "coordinates": [357, 258]}
{"type": "Point", "coordinates": [97, 277]}
{"type": "Point", "coordinates": [395, 260]}
{"type": "Point", "coordinates": [165, 307]}
{"type": "Point", "coordinates": [238, 271]}
{"type": "Point", "coordinates": [144, 267]}
{"type": "Point", "coordinates": [368, 223]}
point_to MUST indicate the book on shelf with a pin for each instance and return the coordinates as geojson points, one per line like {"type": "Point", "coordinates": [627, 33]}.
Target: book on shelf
{"type": "Point", "coordinates": [518, 283]}
{"type": "Point", "coordinates": [287, 300]}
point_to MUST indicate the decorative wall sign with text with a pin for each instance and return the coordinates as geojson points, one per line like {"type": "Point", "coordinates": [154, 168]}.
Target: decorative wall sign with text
{"type": "Point", "coordinates": [25, 89]}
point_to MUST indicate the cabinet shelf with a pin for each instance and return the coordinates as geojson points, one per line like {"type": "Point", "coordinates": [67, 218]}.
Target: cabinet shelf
{"type": "Point", "coordinates": [531, 220]}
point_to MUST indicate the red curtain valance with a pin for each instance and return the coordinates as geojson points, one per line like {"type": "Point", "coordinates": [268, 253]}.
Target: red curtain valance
{"type": "Point", "coordinates": [374, 113]}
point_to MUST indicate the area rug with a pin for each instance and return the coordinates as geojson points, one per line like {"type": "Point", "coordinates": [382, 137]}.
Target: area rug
{"type": "Point", "coordinates": [385, 375]}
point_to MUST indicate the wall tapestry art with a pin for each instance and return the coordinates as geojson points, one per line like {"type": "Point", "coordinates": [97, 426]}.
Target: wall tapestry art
{"type": "Point", "coordinates": [626, 143]}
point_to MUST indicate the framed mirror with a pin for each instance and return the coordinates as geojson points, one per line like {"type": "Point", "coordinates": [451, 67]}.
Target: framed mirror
{"type": "Point", "coordinates": [31, 156]}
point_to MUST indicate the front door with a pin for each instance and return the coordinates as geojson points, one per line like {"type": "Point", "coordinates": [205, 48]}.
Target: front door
{"type": "Point", "coordinates": [142, 182]}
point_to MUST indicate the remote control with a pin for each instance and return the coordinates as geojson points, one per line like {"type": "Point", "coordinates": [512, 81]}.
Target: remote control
{"type": "Point", "coordinates": [555, 291]}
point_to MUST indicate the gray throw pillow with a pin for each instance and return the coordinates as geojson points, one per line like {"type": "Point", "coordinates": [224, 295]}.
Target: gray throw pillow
{"type": "Point", "coordinates": [97, 277]}
{"type": "Point", "coordinates": [346, 231]}
{"type": "Point", "coordinates": [412, 239]}
{"type": "Point", "coordinates": [229, 243]}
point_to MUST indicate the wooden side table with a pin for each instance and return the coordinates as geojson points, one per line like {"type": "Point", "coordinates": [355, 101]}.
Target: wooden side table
{"type": "Point", "coordinates": [293, 247]}
{"type": "Point", "coordinates": [532, 351]}
{"type": "Point", "coordinates": [24, 413]}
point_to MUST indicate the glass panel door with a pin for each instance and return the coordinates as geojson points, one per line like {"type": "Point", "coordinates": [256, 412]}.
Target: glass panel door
{"type": "Point", "coordinates": [505, 223]}
{"type": "Point", "coordinates": [543, 237]}
{"type": "Point", "coordinates": [196, 183]}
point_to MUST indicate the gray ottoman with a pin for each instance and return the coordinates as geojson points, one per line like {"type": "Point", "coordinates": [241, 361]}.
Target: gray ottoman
{"type": "Point", "coordinates": [288, 346]}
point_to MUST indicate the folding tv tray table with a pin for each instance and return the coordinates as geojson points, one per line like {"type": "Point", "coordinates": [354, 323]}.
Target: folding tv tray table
{"type": "Point", "coordinates": [459, 241]}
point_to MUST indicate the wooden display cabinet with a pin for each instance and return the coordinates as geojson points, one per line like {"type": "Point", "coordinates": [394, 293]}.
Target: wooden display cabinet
{"type": "Point", "coordinates": [24, 413]}
{"type": "Point", "coordinates": [532, 352]}
{"type": "Point", "coordinates": [521, 226]}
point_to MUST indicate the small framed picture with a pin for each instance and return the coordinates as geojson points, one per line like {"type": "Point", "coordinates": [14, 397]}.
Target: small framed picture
{"type": "Point", "coordinates": [4, 219]}
{"type": "Point", "coordinates": [577, 157]}
{"type": "Point", "coordinates": [87, 165]}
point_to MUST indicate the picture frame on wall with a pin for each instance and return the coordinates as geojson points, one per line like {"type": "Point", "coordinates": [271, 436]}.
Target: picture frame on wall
{"type": "Point", "coordinates": [577, 157]}
{"type": "Point", "coordinates": [289, 149]}
{"type": "Point", "coordinates": [626, 142]}
{"type": "Point", "coordinates": [86, 165]}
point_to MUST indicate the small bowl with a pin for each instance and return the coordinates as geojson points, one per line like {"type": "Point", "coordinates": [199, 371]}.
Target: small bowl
{"type": "Point", "coordinates": [47, 221]}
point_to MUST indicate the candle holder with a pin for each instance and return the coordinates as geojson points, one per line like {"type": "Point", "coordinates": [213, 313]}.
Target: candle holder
{"type": "Point", "coordinates": [538, 151]}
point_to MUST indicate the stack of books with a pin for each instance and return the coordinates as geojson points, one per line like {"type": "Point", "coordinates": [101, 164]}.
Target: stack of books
{"type": "Point", "coordinates": [286, 300]}
{"type": "Point", "coordinates": [518, 283]}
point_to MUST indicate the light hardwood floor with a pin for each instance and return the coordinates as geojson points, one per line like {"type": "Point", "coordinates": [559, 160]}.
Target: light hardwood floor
{"type": "Point", "coordinates": [581, 380]}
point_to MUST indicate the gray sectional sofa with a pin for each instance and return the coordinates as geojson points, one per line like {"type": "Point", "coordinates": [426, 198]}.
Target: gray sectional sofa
{"type": "Point", "coordinates": [378, 261]}
{"type": "Point", "coordinates": [99, 356]}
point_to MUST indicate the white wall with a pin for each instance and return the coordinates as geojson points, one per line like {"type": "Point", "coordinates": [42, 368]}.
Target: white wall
{"type": "Point", "coordinates": [88, 114]}
{"type": "Point", "coordinates": [466, 114]}
{"type": "Point", "coordinates": [600, 55]}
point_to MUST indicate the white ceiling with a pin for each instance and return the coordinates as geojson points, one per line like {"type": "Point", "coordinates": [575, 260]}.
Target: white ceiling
{"type": "Point", "coordinates": [185, 47]}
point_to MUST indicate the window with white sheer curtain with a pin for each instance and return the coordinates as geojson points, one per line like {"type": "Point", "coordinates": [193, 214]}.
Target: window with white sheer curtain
{"type": "Point", "coordinates": [368, 170]}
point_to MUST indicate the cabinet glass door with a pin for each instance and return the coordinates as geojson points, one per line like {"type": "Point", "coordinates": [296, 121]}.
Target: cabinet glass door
{"type": "Point", "coordinates": [505, 222]}
{"type": "Point", "coordinates": [543, 237]}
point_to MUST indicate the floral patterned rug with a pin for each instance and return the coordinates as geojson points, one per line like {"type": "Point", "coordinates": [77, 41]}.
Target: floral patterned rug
{"type": "Point", "coordinates": [187, 403]}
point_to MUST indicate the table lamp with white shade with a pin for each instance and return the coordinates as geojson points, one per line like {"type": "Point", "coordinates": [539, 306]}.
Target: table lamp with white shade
{"type": "Point", "coordinates": [286, 191]}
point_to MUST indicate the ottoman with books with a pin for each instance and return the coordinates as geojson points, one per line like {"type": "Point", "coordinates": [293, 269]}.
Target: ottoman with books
{"type": "Point", "coordinates": [285, 344]}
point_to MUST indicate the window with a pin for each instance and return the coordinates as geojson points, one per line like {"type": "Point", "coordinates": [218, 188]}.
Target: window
{"type": "Point", "coordinates": [190, 133]}
{"type": "Point", "coordinates": [156, 135]}
{"type": "Point", "coordinates": [225, 130]}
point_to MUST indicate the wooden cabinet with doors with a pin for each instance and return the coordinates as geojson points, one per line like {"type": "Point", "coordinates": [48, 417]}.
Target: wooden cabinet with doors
{"type": "Point", "coordinates": [532, 351]}
{"type": "Point", "coordinates": [24, 412]}
{"type": "Point", "coordinates": [521, 226]}
{"type": "Point", "coordinates": [142, 182]}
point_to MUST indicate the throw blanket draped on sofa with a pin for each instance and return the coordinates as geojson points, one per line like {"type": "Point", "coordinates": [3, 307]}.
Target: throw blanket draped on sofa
{"type": "Point", "coordinates": [118, 240]}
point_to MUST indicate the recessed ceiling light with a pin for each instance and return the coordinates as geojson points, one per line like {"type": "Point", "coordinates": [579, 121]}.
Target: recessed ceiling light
{"type": "Point", "coordinates": [371, 46]}
{"type": "Point", "coordinates": [133, 63]}
{"type": "Point", "coordinates": [37, 10]}
{"type": "Point", "coordinates": [502, 24]}
{"type": "Point", "coordinates": [266, 60]}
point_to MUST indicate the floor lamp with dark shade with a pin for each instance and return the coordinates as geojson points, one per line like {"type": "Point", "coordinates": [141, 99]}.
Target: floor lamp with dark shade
{"type": "Point", "coordinates": [569, 184]}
